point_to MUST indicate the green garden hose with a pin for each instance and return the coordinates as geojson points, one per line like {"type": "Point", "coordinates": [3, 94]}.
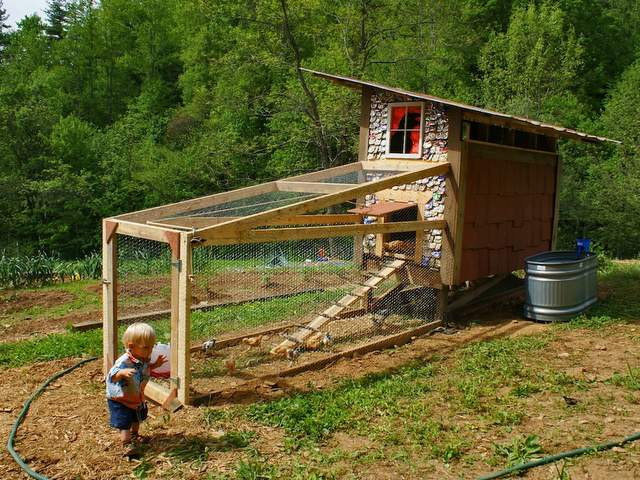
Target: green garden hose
{"type": "Point", "coordinates": [559, 456]}
{"type": "Point", "coordinates": [23, 414]}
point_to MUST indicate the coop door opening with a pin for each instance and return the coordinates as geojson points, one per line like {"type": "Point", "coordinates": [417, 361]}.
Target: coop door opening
{"type": "Point", "coordinates": [401, 242]}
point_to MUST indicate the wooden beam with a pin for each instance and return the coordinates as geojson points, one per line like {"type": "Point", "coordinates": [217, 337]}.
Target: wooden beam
{"type": "Point", "coordinates": [109, 296]}
{"type": "Point", "coordinates": [556, 204]}
{"type": "Point", "coordinates": [313, 187]}
{"type": "Point", "coordinates": [326, 173]}
{"type": "Point", "coordinates": [190, 222]}
{"type": "Point", "coordinates": [139, 317]}
{"type": "Point", "coordinates": [184, 319]}
{"type": "Point", "coordinates": [162, 396]}
{"type": "Point", "coordinates": [392, 165]}
{"type": "Point", "coordinates": [454, 201]}
{"type": "Point", "coordinates": [111, 227]}
{"type": "Point", "coordinates": [321, 202]}
{"type": "Point", "coordinates": [174, 360]}
{"type": "Point", "coordinates": [141, 230]}
{"type": "Point", "coordinates": [471, 295]}
{"type": "Point", "coordinates": [365, 114]}
{"type": "Point", "coordinates": [301, 233]}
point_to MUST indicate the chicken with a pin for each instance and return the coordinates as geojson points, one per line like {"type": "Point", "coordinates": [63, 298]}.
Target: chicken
{"type": "Point", "coordinates": [230, 364]}
{"type": "Point", "coordinates": [254, 341]}
{"type": "Point", "coordinates": [317, 341]}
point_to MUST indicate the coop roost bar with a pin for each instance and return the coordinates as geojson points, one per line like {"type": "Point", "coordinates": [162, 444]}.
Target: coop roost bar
{"type": "Point", "coordinates": [357, 256]}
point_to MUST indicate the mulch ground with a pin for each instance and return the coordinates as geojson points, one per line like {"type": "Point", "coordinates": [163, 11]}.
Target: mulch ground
{"type": "Point", "coordinates": [66, 434]}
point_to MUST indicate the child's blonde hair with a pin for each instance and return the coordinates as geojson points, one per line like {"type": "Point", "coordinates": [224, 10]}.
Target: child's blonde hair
{"type": "Point", "coordinates": [139, 333]}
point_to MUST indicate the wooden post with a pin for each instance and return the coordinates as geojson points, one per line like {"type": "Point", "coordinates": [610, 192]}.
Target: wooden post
{"type": "Point", "coordinates": [363, 146]}
{"type": "Point", "coordinates": [175, 312]}
{"type": "Point", "coordinates": [109, 295]}
{"type": "Point", "coordinates": [455, 199]}
{"type": "Point", "coordinates": [556, 201]}
{"type": "Point", "coordinates": [184, 318]}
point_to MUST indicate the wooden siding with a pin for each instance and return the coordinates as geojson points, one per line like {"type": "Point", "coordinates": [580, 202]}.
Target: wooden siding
{"type": "Point", "coordinates": [509, 209]}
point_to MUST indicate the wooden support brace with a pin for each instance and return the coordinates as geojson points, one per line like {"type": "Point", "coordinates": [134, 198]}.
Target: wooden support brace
{"type": "Point", "coordinates": [162, 396]}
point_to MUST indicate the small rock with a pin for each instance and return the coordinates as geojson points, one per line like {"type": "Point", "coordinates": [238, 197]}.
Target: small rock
{"type": "Point", "coordinates": [601, 347]}
{"type": "Point", "coordinates": [563, 355]}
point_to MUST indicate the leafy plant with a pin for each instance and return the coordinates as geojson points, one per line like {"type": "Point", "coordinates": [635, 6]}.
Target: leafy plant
{"type": "Point", "coordinates": [520, 450]}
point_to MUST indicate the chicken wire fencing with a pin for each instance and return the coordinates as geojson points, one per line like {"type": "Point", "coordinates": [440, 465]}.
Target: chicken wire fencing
{"type": "Point", "coordinates": [261, 308]}
{"type": "Point", "coordinates": [144, 283]}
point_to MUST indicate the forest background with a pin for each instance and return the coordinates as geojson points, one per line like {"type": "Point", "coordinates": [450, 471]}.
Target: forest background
{"type": "Point", "coordinates": [119, 105]}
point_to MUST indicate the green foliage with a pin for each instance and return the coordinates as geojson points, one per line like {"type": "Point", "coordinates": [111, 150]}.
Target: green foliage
{"type": "Point", "coordinates": [315, 416]}
{"type": "Point", "coordinates": [531, 68]}
{"type": "Point", "coordinates": [114, 106]}
{"type": "Point", "coordinates": [520, 450]}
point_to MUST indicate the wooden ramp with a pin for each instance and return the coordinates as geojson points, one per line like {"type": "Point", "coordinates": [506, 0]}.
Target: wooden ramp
{"type": "Point", "coordinates": [334, 311]}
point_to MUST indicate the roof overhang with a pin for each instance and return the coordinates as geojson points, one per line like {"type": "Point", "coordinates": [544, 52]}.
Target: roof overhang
{"type": "Point", "coordinates": [471, 112]}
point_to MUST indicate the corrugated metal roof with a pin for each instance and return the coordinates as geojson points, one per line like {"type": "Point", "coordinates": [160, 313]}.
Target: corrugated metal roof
{"type": "Point", "coordinates": [553, 130]}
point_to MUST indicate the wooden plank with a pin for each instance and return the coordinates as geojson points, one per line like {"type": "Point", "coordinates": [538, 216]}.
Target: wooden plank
{"type": "Point", "coordinates": [326, 173]}
{"type": "Point", "coordinates": [454, 201]}
{"type": "Point", "coordinates": [201, 222]}
{"type": "Point", "coordinates": [91, 324]}
{"type": "Point", "coordinates": [471, 295]}
{"type": "Point", "coordinates": [190, 222]}
{"type": "Point", "coordinates": [162, 396]}
{"type": "Point", "coordinates": [184, 319]}
{"type": "Point", "coordinates": [383, 208]}
{"type": "Point", "coordinates": [387, 342]}
{"type": "Point", "coordinates": [333, 311]}
{"type": "Point", "coordinates": [139, 230]}
{"type": "Point", "coordinates": [365, 115]}
{"type": "Point", "coordinates": [302, 233]}
{"type": "Point", "coordinates": [313, 187]}
{"type": "Point", "coordinates": [175, 314]}
{"type": "Point", "coordinates": [305, 206]}
{"type": "Point", "coordinates": [389, 165]}
{"type": "Point", "coordinates": [556, 204]}
{"type": "Point", "coordinates": [109, 297]}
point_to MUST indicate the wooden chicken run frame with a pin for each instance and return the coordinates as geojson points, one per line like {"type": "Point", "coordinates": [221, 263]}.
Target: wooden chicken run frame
{"type": "Point", "coordinates": [496, 204]}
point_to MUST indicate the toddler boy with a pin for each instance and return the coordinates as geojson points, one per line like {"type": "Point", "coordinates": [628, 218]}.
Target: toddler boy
{"type": "Point", "coordinates": [128, 377]}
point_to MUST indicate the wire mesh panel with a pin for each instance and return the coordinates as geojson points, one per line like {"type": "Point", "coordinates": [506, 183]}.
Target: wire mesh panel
{"type": "Point", "coordinates": [261, 308]}
{"type": "Point", "coordinates": [144, 282]}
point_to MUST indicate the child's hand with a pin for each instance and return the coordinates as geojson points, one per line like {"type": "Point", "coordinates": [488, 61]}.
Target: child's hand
{"type": "Point", "coordinates": [125, 373]}
{"type": "Point", "coordinates": [159, 361]}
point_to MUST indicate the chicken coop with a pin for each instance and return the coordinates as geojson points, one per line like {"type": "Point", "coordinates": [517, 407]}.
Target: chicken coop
{"type": "Point", "coordinates": [274, 279]}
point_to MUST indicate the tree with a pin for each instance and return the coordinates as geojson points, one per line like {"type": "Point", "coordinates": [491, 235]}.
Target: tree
{"type": "Point", "coordinates": [57, 16]}
{"type": "Point", "coordinates": [4, 36]}
{"type": "Point", "coordinates": [532, 69]}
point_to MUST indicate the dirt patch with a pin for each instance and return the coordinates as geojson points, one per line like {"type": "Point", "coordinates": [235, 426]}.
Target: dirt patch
{"type": "Point", "coordinates": [55, 439]}
{"type": "Point", "coordinates": [12, 301]}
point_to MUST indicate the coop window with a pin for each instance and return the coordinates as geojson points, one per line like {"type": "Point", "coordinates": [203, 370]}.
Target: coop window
{"type": "Point", "coordinates": [405, 130]}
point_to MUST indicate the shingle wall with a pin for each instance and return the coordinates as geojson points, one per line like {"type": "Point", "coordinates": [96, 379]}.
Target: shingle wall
{"type": "Point", "coordinates": [508, 213]}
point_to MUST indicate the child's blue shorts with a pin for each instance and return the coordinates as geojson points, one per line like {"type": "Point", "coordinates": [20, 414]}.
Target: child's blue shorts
{"type": "Point", "coordinates": [122, 417]}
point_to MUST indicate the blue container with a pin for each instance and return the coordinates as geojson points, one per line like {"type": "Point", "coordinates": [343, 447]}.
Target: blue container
{"type": "Point", "coordinates": [583, 247]}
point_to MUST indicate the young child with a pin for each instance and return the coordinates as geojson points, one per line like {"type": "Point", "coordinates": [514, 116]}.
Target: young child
{"type": "Point", "coordinates": [128, 377]}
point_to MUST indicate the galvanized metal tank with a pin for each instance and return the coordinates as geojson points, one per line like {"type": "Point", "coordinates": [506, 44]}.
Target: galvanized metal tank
{"type": "Point", "coordinates": [559, 285]}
